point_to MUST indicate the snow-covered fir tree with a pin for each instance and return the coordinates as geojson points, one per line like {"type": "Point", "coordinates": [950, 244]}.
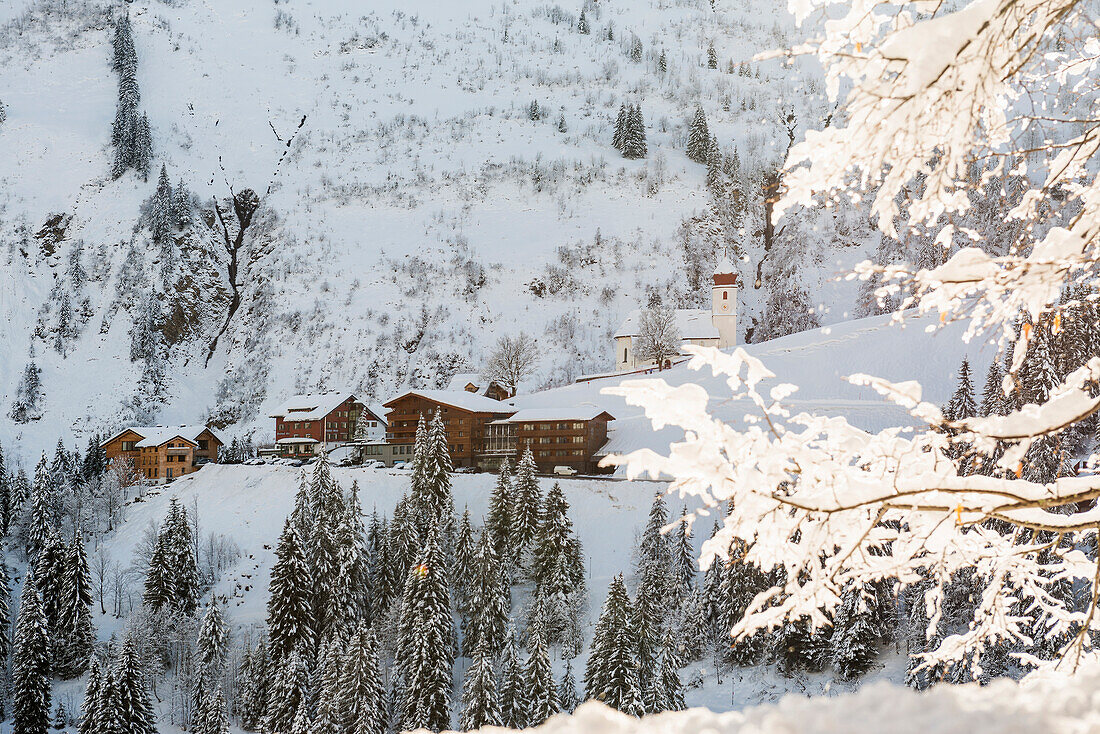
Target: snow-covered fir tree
{"type": "Point", "coordinates": [514, 701]}
{"type": "Point", "coordinates": [698, 144]}
{"type": "Point", "coordinates": [485, 612]}
{"type": "Point", "coordinates": [480, 702]}
{"type": "Point", "coordinates": [568, 698]}
{"type": "Point", "coordinates": [611, 673]}
{"type": "Point", "coordinates": [526, 503]}
{"type": "Point", "coordinates": [91, 719]}
{"type": "Point", "coordinates": [253, 681]}
{"type": "Point", "coordinates": [30, 677]}
{"type": "Point", "coordinates": [132, 705]}
{"type": "Point", "coordinates": [172, 580]}
{"type": "Point", "coordinates": [289, 693]}
{"type": "Point", "coordinates": [426, 639]}
{"type": "Point", "coordinates": [634, 138]}
{"type": "Point", "coordinates": [290, 607]}
{"type": "Point", "coordinates": [542, 690]}
{"type": "Point", "coordinates": [498, 522]}
{"type": "Point", "coordinates": [26, 405]}
{"type": "Point", "coordinates": [362, 695]}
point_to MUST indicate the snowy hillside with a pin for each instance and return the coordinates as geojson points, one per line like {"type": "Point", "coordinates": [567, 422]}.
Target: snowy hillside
{"type": "Point", "coordinates": [422, 208]}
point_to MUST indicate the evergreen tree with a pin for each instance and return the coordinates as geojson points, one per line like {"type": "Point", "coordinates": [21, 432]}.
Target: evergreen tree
{"type": "Point", "coordinates": [962, 405]}
{"type": "Point", "coordinates": [667, 679]}
{"type": "Point", "coordinates": [683, 560]}
{"type": "Point", "coordinates": [542, 692]}
{"type": "Point", "coordinates": [480, 704]}
{"type": "Point", "coordinates": [125, 57]}
{"type": "Point", "coordinates": [160, 213]}
{"type": "Point", "coordinates": [485, 614]}
{"type": "Point", "coordinates": [6, 508]}
{"type": "Point", "coordinates": [31, 664]}
{"type": "Point", "coordinates": [698, 137]}
{"type": "Point", "coordinates": [91, 722]}
{"type": "Point", "coordinates": [568, 698]}
{"type": "Point", "coordinates": [27, 405]}
{"type": "Point", "coordinates": [43, 510]}
{"type": "Point", "coordinates": [212, 646]}
{"type": "Point", "coordinates": [134, 705]}
{"type": "Point", "coordinates": [290, 608]}
{"type": "Point", "coordinates": [426, 639]}
{"type": "Point", "coordinates": [513, 690]}
{"type": "Point", "coordinates": [634, 142]}
{"type": "Point", "coordinates": [60, 717]}
{"type": "Point", "coordinates": [5, 615]}
{"type": "Point", "coordinates": [253, 683]}
{"type": "Point", "coordinates": [526, 502]}
{"type": "Point", "coordinates": [499, 520]}
{"type": "Point", "coordinates": [326, 514]}
{"type": "Point", "coordinates": [362, 696]}
{"type": "Point", "coordinates": [75, 638]}
{"type": "Point", "coordinates": [215, 718]}
{"type": "Point", "coordinates": [432, 496]}
{"type": "Point", "coordinates": [352, 596]}
{"type": "Point", "coordinates": [611, 673]}
{"type": "Point", "coordinates": [712, 57]}
{"type": "Point", "coordinates": [326, 690]}
{"type": "Point", "coordinates": [853, 641]}
{"type": "Point", "coordinates": [582, 24]}
{"type": "Point", "coordinates": [461, 569]}
{"type": "Point", "coordinates": [554, 552]}
{"type": "Point", "coordinates": [618, 140]}
{"type": "Point", "coordinates": [662, 62]}
{"type": "Point", "coordinates": [288, 694]}
{"type": "Point", "coordinates": [741, 582]}
{"type": "Point", "coordinates": [173, 576]}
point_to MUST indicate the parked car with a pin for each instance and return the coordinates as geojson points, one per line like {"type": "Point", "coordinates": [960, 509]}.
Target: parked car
{"type": "Point", "coordinates": [564, 471]}
{"type": "Point", "coordinates": [374, 464]}
{"type": "Point", "coordinates": [400, 465]}
{"type": "Point", "coordinates": [255, 462]}
{"type": "Point", "coordinates": [464, 470]}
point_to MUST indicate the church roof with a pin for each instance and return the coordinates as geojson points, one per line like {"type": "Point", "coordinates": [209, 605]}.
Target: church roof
{"type": "Point", "coordinates": [725, 267]}
{"type": "Point", "coordinates": [692, 323]}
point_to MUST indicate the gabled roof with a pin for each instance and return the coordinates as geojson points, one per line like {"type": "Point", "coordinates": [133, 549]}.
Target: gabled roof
{"type": "Point", "coordinates": [692, 323]}
{"type": "Point", "coordinates": [157, 435]}
{"type": "Point", "coordinates": [565, 413]}
{"type": "Point", "coordinates": [462, 400]}
{"type": "Point", "coordinates": [465, 380]}
{"type": "Point", "coordinates": [310, 407]}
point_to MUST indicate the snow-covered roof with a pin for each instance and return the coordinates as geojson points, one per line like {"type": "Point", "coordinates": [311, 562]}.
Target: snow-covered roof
{"type": "Point", "coordinates": [310, 407]}
{"type": "Point", "coordinates": [461, 399]}
{"type": "Point", "coordinates": [692, 323]}
{"type": "Point", "coordinates": [378, 411]}
{"type": "Point", "coordinates": [462, 379]}
{"type": "Point", "coordinates": [157, 435]}
{"type": "Point", "coordinates": [296, 440]}
{"type": "Point", "coordinates": [725, 266]}
{"type": "Point", "coordinates": [565, 413]}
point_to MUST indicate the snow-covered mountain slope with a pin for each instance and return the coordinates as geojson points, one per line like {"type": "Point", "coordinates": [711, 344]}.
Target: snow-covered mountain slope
{"type": "Point", "coordinates": [817, 362]}
{"type": "Point", "coordinates": [418, 213]}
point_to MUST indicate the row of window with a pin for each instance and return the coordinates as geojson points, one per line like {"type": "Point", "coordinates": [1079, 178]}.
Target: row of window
{"type": "Point", "coordinates": [548, 454]}
{"type": "Point", "coordinates": [559, 439]}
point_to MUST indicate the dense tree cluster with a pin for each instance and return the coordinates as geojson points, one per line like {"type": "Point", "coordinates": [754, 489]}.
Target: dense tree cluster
{"type": "Point", "coordinates": [130, 134]}
{"type": "Point", "coordinates": [629, 137]}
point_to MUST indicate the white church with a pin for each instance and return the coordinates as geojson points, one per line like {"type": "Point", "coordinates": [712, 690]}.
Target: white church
{"type": "Point", "coordinates": [714, 328]}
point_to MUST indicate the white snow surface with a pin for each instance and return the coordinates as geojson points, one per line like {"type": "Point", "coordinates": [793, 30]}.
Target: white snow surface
{"type": "Point", "coordinates": [1049, 703]}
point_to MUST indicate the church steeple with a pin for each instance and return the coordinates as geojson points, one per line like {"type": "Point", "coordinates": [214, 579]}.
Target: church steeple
{"type": "Point", "coordinates": [723, 302]}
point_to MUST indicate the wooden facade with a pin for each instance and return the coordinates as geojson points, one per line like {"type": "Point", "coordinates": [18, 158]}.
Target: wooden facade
{"type": "Point", "coordinates": [465, 425]}
{"type": "Point", "coordinates": [564, 442]}
{"type": "Point", "coordinates": [318, 423]}
{"type": "Point", "coordinates": [162, 454]}
{"type": "Point", "coordinates": [482, 432]}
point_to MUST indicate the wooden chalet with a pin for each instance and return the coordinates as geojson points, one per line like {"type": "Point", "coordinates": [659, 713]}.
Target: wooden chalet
{"type": "Point", "coordinates": [482, 432]}
{"type": "Point", "coordinates": [163, 453]}
{"type": "Point", "coordinates": [466, 416]}
{"type": "Point", "coordinates": [569, 436]}
{"type": "Point", "coordinates": [308, 424]}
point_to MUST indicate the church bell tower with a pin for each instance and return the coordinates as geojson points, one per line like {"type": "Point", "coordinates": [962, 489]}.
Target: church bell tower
{"type": "Point", "coordinates": [723, 302]}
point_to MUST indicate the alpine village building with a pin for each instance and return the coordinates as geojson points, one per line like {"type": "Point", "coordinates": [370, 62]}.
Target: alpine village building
{"type": "Point", "coordinates": [306, 425]}
{"type": "Point", "coordinates": [483, 430]}
{"type": "Point", "coordinates": [716, 327]}
{"type": "Point", "coordinates": [163, 453]}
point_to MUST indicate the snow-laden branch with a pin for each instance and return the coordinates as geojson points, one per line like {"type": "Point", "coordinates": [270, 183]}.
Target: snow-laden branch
{"type": "Point", "coordinates": [831, 504]}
